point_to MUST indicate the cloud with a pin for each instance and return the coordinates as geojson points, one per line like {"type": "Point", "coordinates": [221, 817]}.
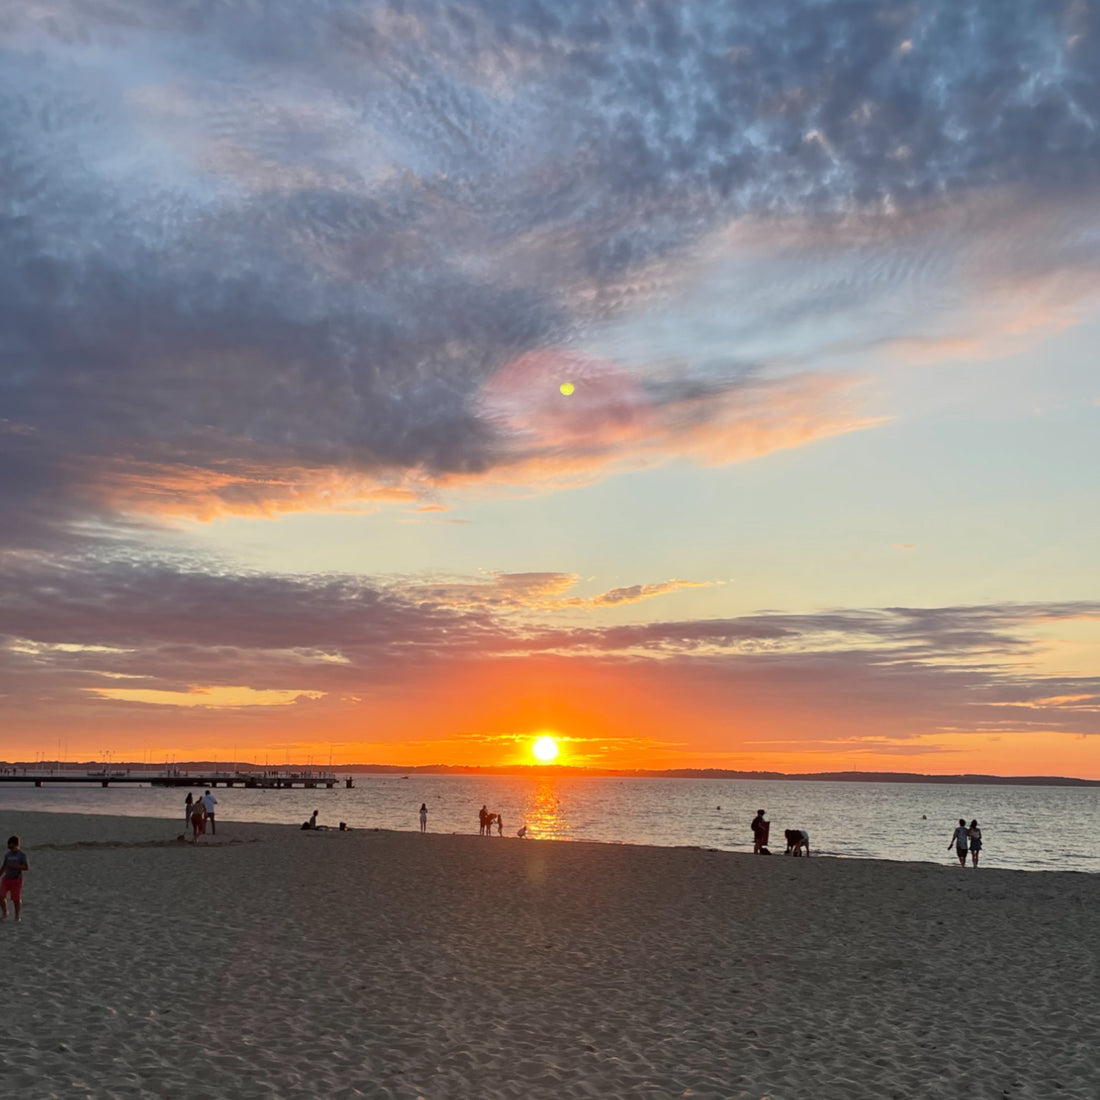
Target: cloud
{"type": "Point", "coordinates": [258, 261]}
{"type": "Point", "coordinates": [96, 642]}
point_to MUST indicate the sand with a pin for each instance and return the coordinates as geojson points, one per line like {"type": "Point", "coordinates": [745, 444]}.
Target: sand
{"type": "Point", "coordinates": [270, 962]}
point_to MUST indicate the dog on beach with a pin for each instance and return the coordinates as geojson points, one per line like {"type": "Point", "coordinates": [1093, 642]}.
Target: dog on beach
{"type": "Point", "coordinates": [797, 839]}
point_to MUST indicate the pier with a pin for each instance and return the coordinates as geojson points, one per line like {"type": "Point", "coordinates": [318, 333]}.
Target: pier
{"type": "Point", "coordinates": [265, 779]}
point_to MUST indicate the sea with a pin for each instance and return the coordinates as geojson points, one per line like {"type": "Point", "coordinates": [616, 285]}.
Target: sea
{"type": "Point", "coordinates": [1028, 828]}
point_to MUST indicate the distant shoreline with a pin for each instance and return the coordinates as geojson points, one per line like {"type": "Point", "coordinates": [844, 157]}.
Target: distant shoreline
{"type": "Point", "coordinates": [564, 770]}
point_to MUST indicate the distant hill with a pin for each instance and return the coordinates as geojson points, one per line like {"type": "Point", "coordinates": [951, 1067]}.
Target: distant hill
{"type": "Point", "coordinates": [566, 770]}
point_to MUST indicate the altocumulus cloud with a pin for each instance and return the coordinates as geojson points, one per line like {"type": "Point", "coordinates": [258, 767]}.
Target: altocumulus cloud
{"type": "Point", "coordinates": [288, 257]}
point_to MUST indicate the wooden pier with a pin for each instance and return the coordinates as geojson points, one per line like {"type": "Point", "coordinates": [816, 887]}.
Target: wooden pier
{"type": "Point", "coordinates": [266, 779]}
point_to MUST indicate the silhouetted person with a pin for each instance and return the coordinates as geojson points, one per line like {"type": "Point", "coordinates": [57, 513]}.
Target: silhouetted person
{"type": "Point", "coordinates": [797, 840]}
{"type": "Point", "coordinates": [423, 817]}
{"type": "Point", "coordinates": [500, 826]}
{"type": "Point", "coordinates": [960, 838]}
{"type": "Point", "coordinates": [760, 829]}
{"type": "Point", "coordinates": [974, 835]}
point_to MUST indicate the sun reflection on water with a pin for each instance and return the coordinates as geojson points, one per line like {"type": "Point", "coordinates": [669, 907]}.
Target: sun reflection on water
{"type": "Point", "coordinates": [543, 811]}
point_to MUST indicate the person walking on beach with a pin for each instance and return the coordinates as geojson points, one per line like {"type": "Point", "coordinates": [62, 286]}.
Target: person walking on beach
{"type": "Point", "coordinates": [974, 835]}
{"type": "Point", "coordinates": [187, 809]}
{"type": "Point", "coordinates": [760, 829]}
{"type": "Point", "coordinates": [209, 801]}
{"type": "Point", "coordinates": [960, 839]}
{"type": "Point", "coordinates": [11, 878]}
{"type": "Point", "coordinates": [198, 819]}
{"type": "Point", "coordinates": [423, 817]}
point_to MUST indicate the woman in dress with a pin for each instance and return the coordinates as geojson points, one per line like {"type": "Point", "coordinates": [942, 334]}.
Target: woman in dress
{"type": "Point", "coordinates": [975, 838]}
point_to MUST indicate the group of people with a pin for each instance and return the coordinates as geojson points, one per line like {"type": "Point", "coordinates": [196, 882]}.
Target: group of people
{"type": "Point", "coordinates": [798, 840]}
{"type": "Point", "coordinates": [487, 820]}
{"type": "Point", "coordinates": [966, 838]}
{"type": "Point", "coordinates": [198, 813]}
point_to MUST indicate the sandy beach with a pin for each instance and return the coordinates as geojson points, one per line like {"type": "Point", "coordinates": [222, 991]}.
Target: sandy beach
{"type": "Point", "coordinates": [270, 962]}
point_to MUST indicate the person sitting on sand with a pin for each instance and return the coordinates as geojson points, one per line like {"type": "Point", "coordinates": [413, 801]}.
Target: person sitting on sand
{"type": "Point", "coordinates": [521, 832]}
{"type": "Point", "coordinates": [312, 822]}
{"type": "Point", "coordinates": [198, 819]}
{"type": "Point", "coordinates": [12, 866]}
{"type": "Point", "coordinates": [960, 839]}
{"type": "Point", "coordinates": [974, 835]}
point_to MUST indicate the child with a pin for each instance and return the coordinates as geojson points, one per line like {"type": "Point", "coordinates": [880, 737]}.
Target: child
{"type": "Point", "coordinates": [11, 878]}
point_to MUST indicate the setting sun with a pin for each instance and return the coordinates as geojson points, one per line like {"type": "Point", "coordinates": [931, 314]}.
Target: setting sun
{"type": "Point", "coordinates": [545, 749]}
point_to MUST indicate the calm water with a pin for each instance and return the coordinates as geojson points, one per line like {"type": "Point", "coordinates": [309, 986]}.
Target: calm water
{"type": "Point", "coordinates": [1029, 828]}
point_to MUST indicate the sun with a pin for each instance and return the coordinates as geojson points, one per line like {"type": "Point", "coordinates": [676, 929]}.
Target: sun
{"type": "Point", "coordinates": [545, 749]}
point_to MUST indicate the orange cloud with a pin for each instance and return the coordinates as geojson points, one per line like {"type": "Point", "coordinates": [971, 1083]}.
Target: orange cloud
{"type": "Point", "coordinates": [544, 440]}
{"type": "Point", "coordinates": [610, 423]}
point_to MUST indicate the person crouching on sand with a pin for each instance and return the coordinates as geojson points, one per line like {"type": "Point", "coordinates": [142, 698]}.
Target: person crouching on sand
{"type": "Point", "coordinates": [11, 878]}
{"type": "Point", "coordinates": [960, 839]}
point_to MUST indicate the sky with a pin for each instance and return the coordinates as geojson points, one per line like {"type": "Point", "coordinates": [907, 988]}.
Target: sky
{"type": "Point", "coordinates": [699, 384]}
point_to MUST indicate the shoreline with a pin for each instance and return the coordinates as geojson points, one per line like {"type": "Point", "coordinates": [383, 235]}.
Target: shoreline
{"type": "Point", "coordinates": [274, 962]}
{"type": "Point", "coordinates": [948, 862]}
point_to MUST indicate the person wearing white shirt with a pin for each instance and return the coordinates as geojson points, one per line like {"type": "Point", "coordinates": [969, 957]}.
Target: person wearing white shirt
{"type": "Point", "coordinates": [209, 801]}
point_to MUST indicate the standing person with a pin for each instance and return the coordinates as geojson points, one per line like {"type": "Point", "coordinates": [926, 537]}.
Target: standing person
{"type": "Point", "coordinates": [423, 817]}
{"type": "Point", "coordinates": [187, 809]}
{"type": "Point", "coordinates": [198, 819]}
{"type": "Point", "coordinates": [760, 829]}
{"type": "Point", "coordinates": [500, 826]}
{"type": "Point", "coordinates": [960, 839]}
{"type": "Point", "coordinates": [11, 878]}
{"type": "Point", "coordinates": [974, 835]}
{"type": "Point", "coordinates": [483, 817]}
{"type": "Point", "coordinates": [209, 801]}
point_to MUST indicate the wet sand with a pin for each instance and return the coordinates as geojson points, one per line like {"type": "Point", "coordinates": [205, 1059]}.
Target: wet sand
{"type": "Point", "coordinates": [270, 962]}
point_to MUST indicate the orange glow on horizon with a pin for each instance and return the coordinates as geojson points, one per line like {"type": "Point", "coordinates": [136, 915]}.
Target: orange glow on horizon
{"type": "Point", "coordinates": [488, 715]}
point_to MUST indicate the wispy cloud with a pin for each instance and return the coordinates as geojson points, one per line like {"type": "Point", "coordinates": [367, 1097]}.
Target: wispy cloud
{"type": "Point", "coordinates": [87, 639]}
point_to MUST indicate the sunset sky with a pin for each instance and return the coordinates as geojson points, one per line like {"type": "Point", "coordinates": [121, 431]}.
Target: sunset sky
{"type": "Point", "coordinates": [289, 294]}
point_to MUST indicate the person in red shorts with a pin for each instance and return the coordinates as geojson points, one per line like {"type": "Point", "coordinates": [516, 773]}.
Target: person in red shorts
{"type": "Point", "coordinates": [11, 877]}
{"type": "Point", "coordinates": [198, 819]}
